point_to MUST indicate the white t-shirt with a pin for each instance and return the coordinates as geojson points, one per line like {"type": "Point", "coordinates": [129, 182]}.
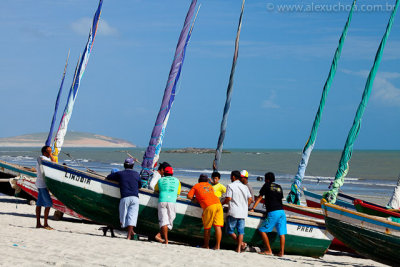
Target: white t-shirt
{"type": "Point", "coordinates": [239, 194]}
{"type": "Point", "coordinates": [40, 175]}
{"type": "Point", "coordinates": [154, 180]}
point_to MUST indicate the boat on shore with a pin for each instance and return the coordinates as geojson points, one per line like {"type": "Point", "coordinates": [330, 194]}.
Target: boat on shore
{"type": "Point", "coordinates": [97, 199]}
{"type": "Point", "coordinates": [370, 236]}
{"type": "Point", "coordinates": [10, 171]}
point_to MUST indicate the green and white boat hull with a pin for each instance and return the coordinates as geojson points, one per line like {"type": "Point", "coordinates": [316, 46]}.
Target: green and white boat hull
{"type": "Point", "coordinates": [374, 237]}
{"type": "Point", "coordinates": [98, 199]}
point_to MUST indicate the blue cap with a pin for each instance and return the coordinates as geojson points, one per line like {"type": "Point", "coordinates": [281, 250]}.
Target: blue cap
{"type": "Point", "coordinates": [129, 161]}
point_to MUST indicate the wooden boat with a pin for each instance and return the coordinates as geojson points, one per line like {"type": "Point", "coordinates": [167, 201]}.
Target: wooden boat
{"type": "Point", "coordinates": [314, 200]}
{"type": "Point", "coordinates": [9, 171]}
{"type": "Point", "coordinates": [374, 209]}
{"type": "Point", "coordinates": [373, 237]}
{"type": "Point", "coordinates": [97, 199]}
{"type": "Point", "coordinates": [28, 185]}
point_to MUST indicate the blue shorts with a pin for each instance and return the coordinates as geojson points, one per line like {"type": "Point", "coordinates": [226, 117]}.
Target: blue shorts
{"type": "Point", "coordinates": [233, 223]}
{"type": "Point", "coordinates": [44, 199]}
{"type": "Point", "coordinates": [128, 211]}
{"type": "Point", "coordinates": [276, 218]}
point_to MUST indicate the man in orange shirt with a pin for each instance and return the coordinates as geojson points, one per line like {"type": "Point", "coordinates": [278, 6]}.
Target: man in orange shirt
{"type": "Point", "coordinates": [213, 214]}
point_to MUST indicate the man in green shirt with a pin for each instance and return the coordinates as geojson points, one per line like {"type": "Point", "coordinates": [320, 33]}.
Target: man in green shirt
{"type": "Point", "coordinates": [169, 188]}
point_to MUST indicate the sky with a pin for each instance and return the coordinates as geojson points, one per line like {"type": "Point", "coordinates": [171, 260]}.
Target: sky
{"type": "Point", "coordinates": [284, 59]}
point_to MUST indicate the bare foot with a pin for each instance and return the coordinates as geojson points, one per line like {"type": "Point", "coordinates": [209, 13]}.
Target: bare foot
{"type": "Point", "coordinates": [215, 248]}
{"type": "Point", "coordinates": [159, 239]}
{"type": "Point", "coordinates": [280, 254]}
{"type": "Point", "coordinates": [267, 253]}
{"type": "Point", "coordinates": [39, 226]}
{"type": "Point", "coordinates": [48, 228]}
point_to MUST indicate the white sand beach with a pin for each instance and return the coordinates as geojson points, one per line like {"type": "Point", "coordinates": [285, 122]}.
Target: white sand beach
{"type": "Point", "coordinates": [74, 243]}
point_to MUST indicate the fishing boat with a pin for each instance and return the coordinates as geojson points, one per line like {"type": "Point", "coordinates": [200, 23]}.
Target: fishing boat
{"type": "Point", "coordinates": [314, 200]}
{"type": "Point", "coordinates": [373, 237]}
{"type": "Point", "coordinates": [374, 209]}
{"type": "Point", "coordinates": [28, 186]}
{"type": "Point", "coordinates": [9, 171]}
{"type": "Point", "coordinates": [96, 198]}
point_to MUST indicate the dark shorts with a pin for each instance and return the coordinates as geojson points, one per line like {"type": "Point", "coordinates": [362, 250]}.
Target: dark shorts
{"type": "Point", "coordinates": [44, 199]}
{"type": "Point", "coordinates": [276, 218]}
{"type": "Point", "coordinates": [234, 223]}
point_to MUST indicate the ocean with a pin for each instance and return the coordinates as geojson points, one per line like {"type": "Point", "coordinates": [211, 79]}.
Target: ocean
{"type": "Point", "coordinates": [373, 174]}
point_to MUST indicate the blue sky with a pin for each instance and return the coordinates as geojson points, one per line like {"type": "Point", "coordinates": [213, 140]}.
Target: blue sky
{"type": "Point", "coordinates": [283, 62]}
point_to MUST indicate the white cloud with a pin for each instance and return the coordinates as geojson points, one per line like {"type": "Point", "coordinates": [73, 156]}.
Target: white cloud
{"type": "Point", "coordinates": [82, 27]}
{"type": "Point", "coordinates": [270, 102]}
{"type": "Point", "coordinates": [383, 91]}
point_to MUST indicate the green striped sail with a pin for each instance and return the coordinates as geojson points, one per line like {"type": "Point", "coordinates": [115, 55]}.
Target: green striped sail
{"type": "Point", "coordinates": [343, 168]}
{"type": "Point", "coordinates": [294, 194]}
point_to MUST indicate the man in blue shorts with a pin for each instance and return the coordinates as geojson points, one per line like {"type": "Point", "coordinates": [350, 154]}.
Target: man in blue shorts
{"type": "Point", "coordinates": [129, 183]}
{"type": "Point", "coordinates": [44, 199]}
{"type": "Point", "coordinates": [276, 216]}
{"type": "Point", "coordinates": [239, 198]}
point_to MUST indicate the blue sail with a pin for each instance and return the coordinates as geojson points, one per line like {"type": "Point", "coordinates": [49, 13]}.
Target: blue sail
{"type": "Point", "coordinates": [153, 150]}
{"type": "Point", "coordinates": [224, 122]}
{"type": "Point", "coordinates": [48, 140]}
{"type": "Point", "coordinates": [62, 129]}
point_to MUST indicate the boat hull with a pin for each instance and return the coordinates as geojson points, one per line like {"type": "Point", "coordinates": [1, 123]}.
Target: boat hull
{"type": "Point", "coordinates": [9, 171]}
{"type": "Point", "coordinates": [314, 200]}
{"type": "Point", "coordinates": [374, 210]}
{"type": "Point", "coordinates": [98, 199]}
{"type": "Point", "coordinates": [373, 237]}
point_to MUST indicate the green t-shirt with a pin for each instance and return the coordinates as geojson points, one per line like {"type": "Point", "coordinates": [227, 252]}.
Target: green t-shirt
{"type": "Point", "coordinates": [169, 188]}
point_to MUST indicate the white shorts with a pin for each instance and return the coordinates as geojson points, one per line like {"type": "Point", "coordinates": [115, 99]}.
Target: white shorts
{"type": "Point", "coordinates": [166, 214]}
{"type": "Point", "coordinates": [128, 211]}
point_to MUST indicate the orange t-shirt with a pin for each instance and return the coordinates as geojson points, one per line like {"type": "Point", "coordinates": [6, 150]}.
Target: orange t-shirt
{"type": "Point", "coordinates": [204, 193]}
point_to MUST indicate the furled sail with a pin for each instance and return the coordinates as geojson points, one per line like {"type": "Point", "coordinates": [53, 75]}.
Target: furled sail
{"type": "Point", "coordinates": [227, 107]}
{"type": "Point", "coordinates": [343, 168]}
{"type": "Point", "coordinates": [394, 202]}
{"type": "Point", "coordinates": [153, 150]}
{"type": "Point", "coordinates": [48, 140]}
{"type": "Point", "coordinates": [62, 130]}
{"type": "Point", "coordinates": [295, 191]}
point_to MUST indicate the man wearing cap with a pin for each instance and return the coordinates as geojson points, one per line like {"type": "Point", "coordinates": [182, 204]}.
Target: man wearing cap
{"type": "Point", "coordinates": [169, 188]}
{"type": "Point", "coordinates": [158, 174]}
{"type": "Point", "coordinates": [276, 216]}
{"type": "Point", "coordinates": [239, 198]}
{"type": "Point", "coordinates": [213, 214]}
{"type": "Point", "coordinates": [244, 178]}
{"type": "Point", "coordinates": [129, 184]}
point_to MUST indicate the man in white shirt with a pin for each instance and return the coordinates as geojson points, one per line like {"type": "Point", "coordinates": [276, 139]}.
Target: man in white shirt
{"type": "Point", "coordinates": [158, 174]}
{"type": "Point", "coordinates": [44, 199]}
{"type": "Point", "coordinates": [239, 198]}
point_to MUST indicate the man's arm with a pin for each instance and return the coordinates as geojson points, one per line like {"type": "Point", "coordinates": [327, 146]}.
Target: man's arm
{"type": "Point", "coordinates": [257, 201]}
{"type": "Point", "coordinates": [249, 200]}
{"type": "Point", "coordinates": [190, 195]}
{"type": "Point", "coordinates": [226, 201]}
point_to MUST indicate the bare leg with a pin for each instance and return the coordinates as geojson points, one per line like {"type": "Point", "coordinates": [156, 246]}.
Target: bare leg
{"type": "Point", "coordinates": [164, 231]}
{"type": "Point", "coordinates": [282, 252]}
{"type": "Point", "coordinates": [218, 236]}
{"type": "Point", "coordinates": [207, 233]}
{"type": "Point", "coordinates": [130, 232]}
{"type": "Point", "coordinates": [38, 211]}
{"type": "Point", "coordinates": [46, 215]}
{"type": "Point", "coordinates": [265, 239]}
{"type": "Point", "coordinates": [239, 241]}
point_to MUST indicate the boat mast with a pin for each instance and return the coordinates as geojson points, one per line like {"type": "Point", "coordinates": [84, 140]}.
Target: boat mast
{"type": "Point", "coordinates": [62, 130]}
{"type": "Point", "coordinates": [343, 168]}
{"type": "Point", "coordinates": [295, 191]}
{"type": "Point", "coordinates": [50, 135]}
{"type": "Point", "coordinates": [229, 91]}
{"type": "Point", "coordinates": [153, 150]}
